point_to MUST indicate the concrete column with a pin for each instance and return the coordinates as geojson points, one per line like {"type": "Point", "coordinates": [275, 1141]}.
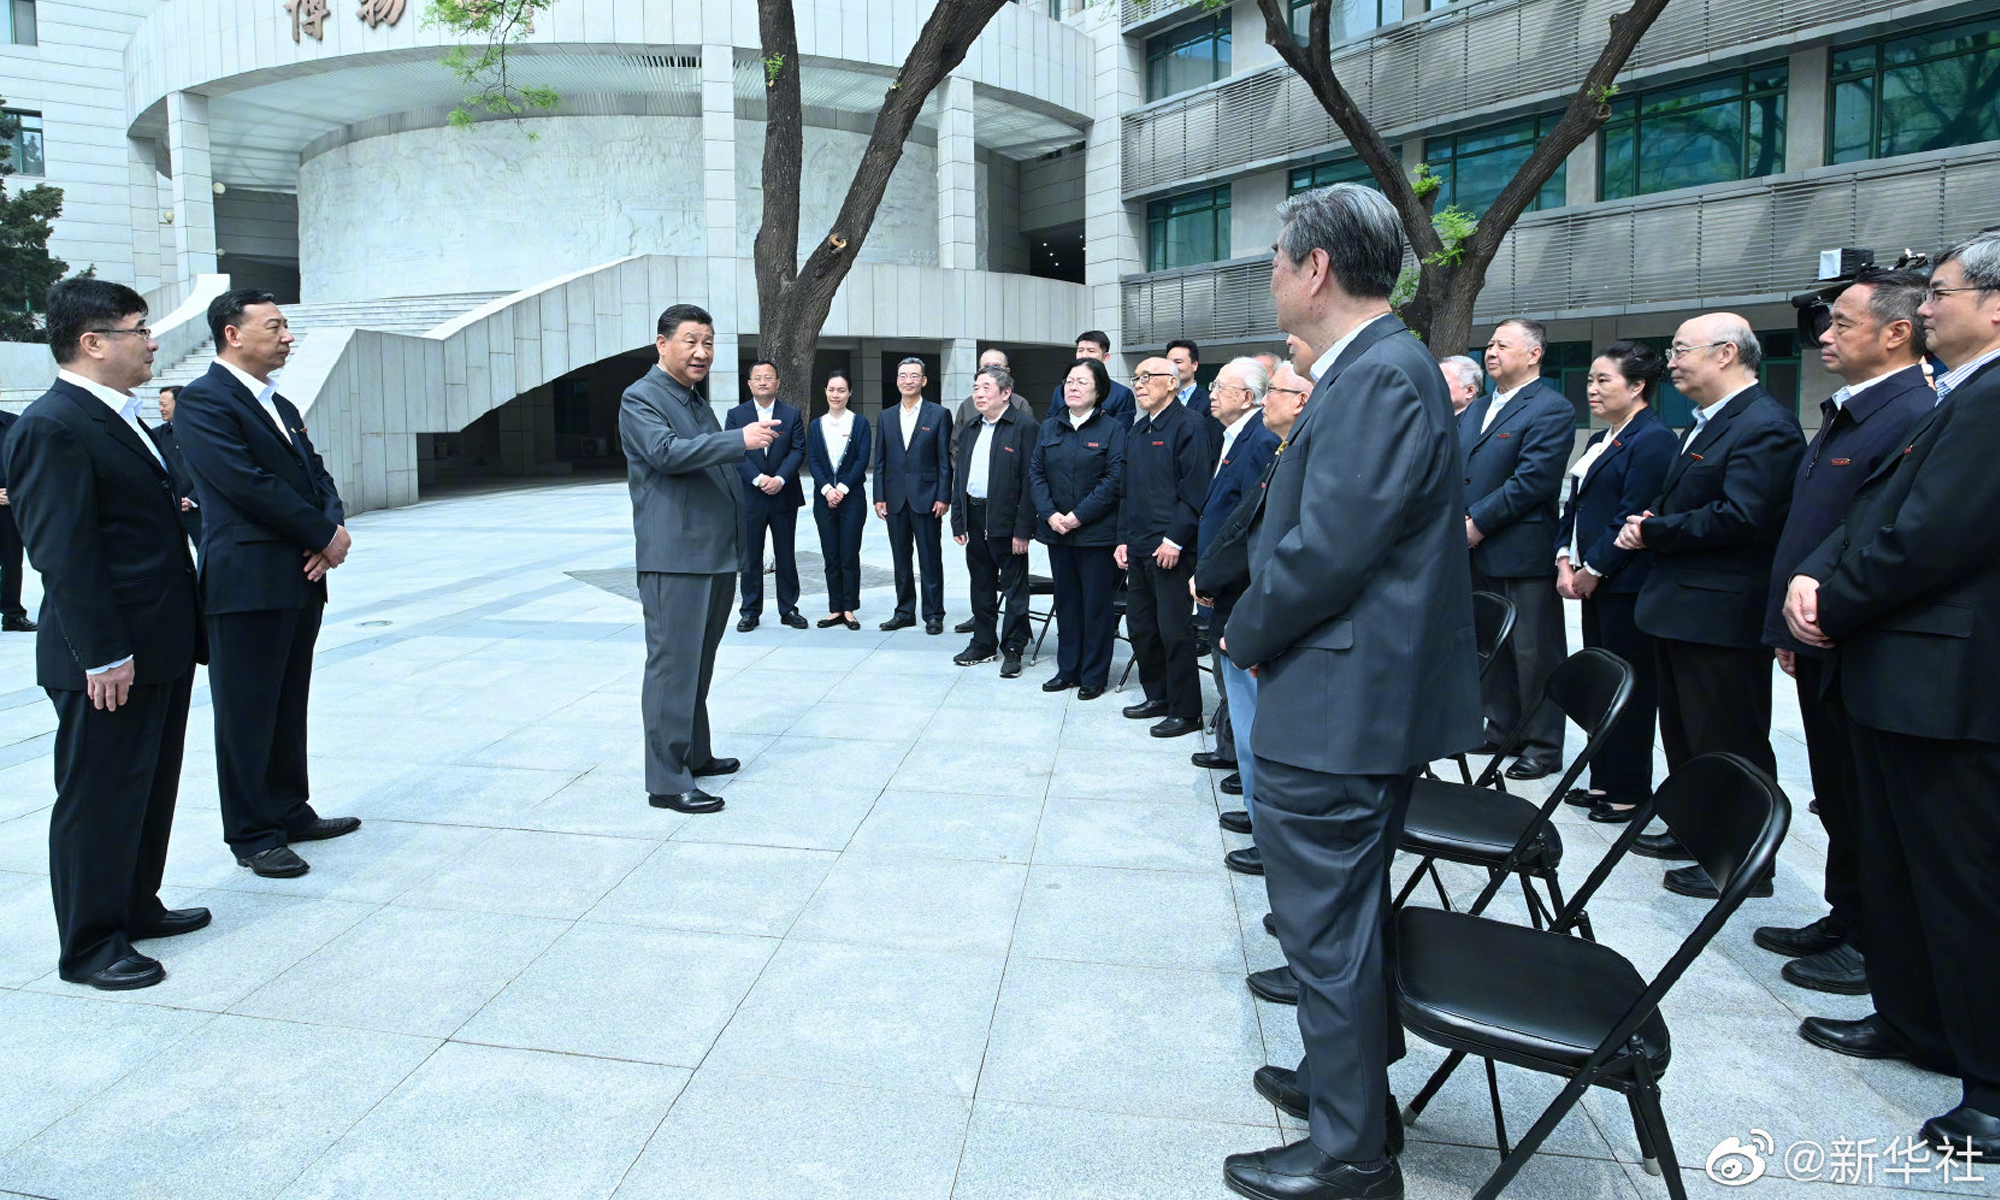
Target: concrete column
{"type": "Point", "coordinates": [1112, 246]}
{"type": "Point", "coordinates": [718, 193]}
{"type": "Point", "coordinates": [193, 186]}
{"type": "Point", "coordinates": [142, 160]}
{"type": "Point", "coordinates": [957, 179]}
{"type": "Point", "coordinates": [1413, 155]}
{"type": "Point", "coordinates": [1805, 109]}
{"type": "Point", "coordinates": [960, 362]}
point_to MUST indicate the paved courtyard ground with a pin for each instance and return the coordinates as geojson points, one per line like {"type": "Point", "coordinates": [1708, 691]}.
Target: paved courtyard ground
{"type": "Point", "coordinates": [952, 937]}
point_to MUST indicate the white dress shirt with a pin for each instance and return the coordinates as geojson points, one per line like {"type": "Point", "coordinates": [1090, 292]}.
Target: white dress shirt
{"type": "Point", "coordinates": [1229, 439]}
{"type": "Point", "coordinates": [1325, 361]}
{"type": "Point", "coordinates": [837, 432]}
{"type": "Point", "coordinates": [909, 416]}
{"type": "Point", "coordinates": [1187, 393]}
{"type": "Point", "coordinates": [1591, 454]}
{"type": "Point", "coordinates": [1493, 409]}
{"type": "Point", "coordinates": [1703, 414]}
{"type": "Point", "coordinates": [263, 389]}
{"type": "Point", "coordinates": [982, 451]}
{"type": "Point", "coordinates": [126, 405]}
{"type": "Point", "coordinates": [764, 414]}
{"type": "Point", "coordinates": [1077, 416]}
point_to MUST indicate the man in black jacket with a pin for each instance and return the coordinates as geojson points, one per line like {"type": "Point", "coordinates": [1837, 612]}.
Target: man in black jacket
{"type": "Point", "coordinates": [13, 618]}
{"type": "Point", "coordinates": [120, 635]}
{"type": "Point", "coordinates": [912, 492]}
{"type": "Point", "coordinates": [993, 517]}
{"type": "Point", "coordinates": [1712, 533]}
{"type": "Point", "coordinates": [1906, 597]}
{"type": "Point", "coordinates": [1167, 467]}
{"type": "Point", "coordinates": [772, 497]}
{"type": "Point", "coordinates": [170, 449]}
{"type": "Point", "coordinates": [273, 526]}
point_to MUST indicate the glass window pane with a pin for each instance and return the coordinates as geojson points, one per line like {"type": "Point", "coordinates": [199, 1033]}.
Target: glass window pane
{"type": "Point", "coordinates": [1688, 96]}
{"type": "Point", "coordinates": [1852, 134]}
{"type": "Point", "coordinates": [1765, 153]}
{"type": "Point", "coordinates": [1941, 103]}
{"type": "Point", "coordinates": [1704, 146]}
{"type": "Point", "coordinates": [1853, 59]}
{"type": "Point", "coordinates": [1481, 176]}
{"type": "Point", "coordinates": [1618, 182]}
{"type": "Point", "coordinates": [1956, 39]}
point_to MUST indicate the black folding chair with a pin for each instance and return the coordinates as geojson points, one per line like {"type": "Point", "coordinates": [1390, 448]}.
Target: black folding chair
{"type": "Point", "coordinates": [1477, 823]}
{"type": "Point", "coordinates": [1570, 1006]}
{"type": "Point", "coordinates": [1041, 585]}
{"type": "Point", "coordinates": [1492, 624]}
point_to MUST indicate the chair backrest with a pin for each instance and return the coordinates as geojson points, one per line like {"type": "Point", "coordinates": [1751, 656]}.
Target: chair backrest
{"type": "Point", "coordinates": [1492, 624]}
{"type": "Point", "coordinates": [1591, 687]}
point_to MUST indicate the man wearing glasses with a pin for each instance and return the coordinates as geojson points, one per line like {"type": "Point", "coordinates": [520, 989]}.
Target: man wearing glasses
{"type": "Point", "coordinates": [1167, 468]}
{"type": "Point", "coordinates": [912, 492]}
{"type": "Point", "coordinates": [1713, 533]}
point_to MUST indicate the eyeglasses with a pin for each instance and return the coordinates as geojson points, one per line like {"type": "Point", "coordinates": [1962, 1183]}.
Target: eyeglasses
{"type": "Point", "coordinates": [1934, 293]}
{"type": "Point", "coordinates": [1290, 391]}
{"type": "Point", "coordinates": [1144, 376]}
{"type": "Point", "coordinates": [1674, 352]}
{"type": "Point", "coordinates": [142, 331]}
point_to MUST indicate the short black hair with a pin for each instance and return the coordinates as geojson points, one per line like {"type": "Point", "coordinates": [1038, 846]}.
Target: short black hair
{"type": "Point", "coordinates": [681, 314]}
{"type": "Point", "coordinates": [1102, 338]}
{"type": "Point", "coordinates": [1537, 332]}
{"type": "Point", "coordinates": [841, 374]}
{"type": "Point", "coordinates": [77, 306]}
{"type": "Point", "coordinates": [1638, 363]}
{"type": "Point", "coordinates": [763, 362]}
{"type": "Point", "coordinates": [227, 309]}
{"type": "Point", "coordinates": [173, 390]}
{"type": "Point", "coordinates": [1194, 351]}
{"type": "Point", "coordinates": [1099, 377]}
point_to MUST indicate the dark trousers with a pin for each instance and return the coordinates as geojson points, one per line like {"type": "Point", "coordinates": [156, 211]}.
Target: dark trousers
{"type": "Point", "coordinates": [781, 518]}
{"type": "Point", "coordinates": [997, 574]}
{"type": "Point", "coordinates": [1623, 767]}
{"type": "Point", "coordinates": [1513, 682]}
{"type": "Point", "coordinates": [685, 617]}
{"type": "Point", "coordinates": [1830, 753]}
{"type": "Point", "coordinates": [911, 529]}
{"type": "Point", "coordinates": [840, 532]}
{"type": "Point", "coordinates": [1086, 583]}
{"type": "Point", "coordinates": [260, 680]}
{"type": "Point", "coordinates": [1714, 698]}
{"type": "Point", "coordinates": [1225, 722]}
{"type": "Point", "coordinates": [1930, 877]}
{"type": "Point", "coordinates": [117, 775]}
{"type": "Point", "coordinates": [10, 566]}
{"type": "Point", "coordinates": [1158, 615]}
{"type": "Point", "coordinates": [1327, 842]}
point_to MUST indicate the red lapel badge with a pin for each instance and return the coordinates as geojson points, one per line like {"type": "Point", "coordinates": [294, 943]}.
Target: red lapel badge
{"type": "Point", "coordinates": [1842, 462]}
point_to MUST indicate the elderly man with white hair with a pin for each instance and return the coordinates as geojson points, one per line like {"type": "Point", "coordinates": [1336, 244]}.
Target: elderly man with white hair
{"type": "Point", "coordinates": [1464, 379]}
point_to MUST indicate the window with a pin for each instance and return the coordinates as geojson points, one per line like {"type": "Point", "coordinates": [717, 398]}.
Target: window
{"type": "Point", "coordinates": [1567, 365]}
{"type": "Point", "coordinates": [1348, 18]}
{"type": "Point", "coordinates": [1340, 170]}
{"type": "Point", "coordinates": [1182, 231]}
{"type": "Point", "coordinates": [1188, 56]}
{"type": "Point", "coordinates": [1921, 91]}
{"type": "Point", "coordinates": [24, 151]}
{"type": "Point", "coordinates": [1475, 165]}
{"type": "Point", "coordinates": [18, 17]}
{"type": "Point", "coordinates": [1708, 131]}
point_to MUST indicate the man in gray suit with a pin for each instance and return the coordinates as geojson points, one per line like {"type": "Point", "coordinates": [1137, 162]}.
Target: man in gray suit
{"type": "Point", "coordinates": [1358, 622]}
{"type": "Point", "coordinates": [687, 518]}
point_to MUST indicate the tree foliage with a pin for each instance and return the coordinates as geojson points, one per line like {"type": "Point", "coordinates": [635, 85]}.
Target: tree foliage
{"type": "Point", "coordinates": [26, 267]}
{"type": "Point", "coordinates": [483, 62]}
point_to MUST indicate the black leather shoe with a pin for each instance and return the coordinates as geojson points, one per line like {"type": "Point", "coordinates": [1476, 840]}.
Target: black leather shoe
{"type": "Point", "coordinates": [1280, 1085]}
{"type": "Point", "coordinates": [1090, 693]}
{"type": "Point", "coordinates": [1583, 797]}
{"type": "Point", "coordinates": [1817, 938]}
{"type": "Point", "coordinates": [1278, 985]}
{"type": "Point", "coordinates": [323, 828]}
{"type": "Point", "coordinates": [964, 626]}
{"type": "Point", "coordinates": [1532, 768]}
{"type": "Point", "coordinates": [1176, 727]}
{"type": "Point", "coordinates": [1301, 1172]}
{"type": "Point", "coordinates": [794, 620]}
{"type": "Point", "coordinates": [1867, 1038]}
{"type": "Point", "coordinates": [1664, 846]}
{"type": "Point", "coordinates": [1058, 684]}
{"type": "Point", "coordinates": [1840, 970]}
{"type": "Point", "coordinates": [127, 974]}
{"type": "Point", "coordinates": [1606, 813]}
{"type": "Point", "coordinates": [1693, 881]}
{"type": "Point", "coordinates": [897, 622]}
{"type": "Point", "coordinates": [276, 863]}
{"type": "Point", "coordinates": [1010, 666]}
{"type": "Point", "coordinates": [852, 624]}
{"type": "Point", "coordinates": [1270, 925]}
{"type": "Point", "coordinates": [694, 800]}
{"type": "Point", "coordinates": [1232, 784]}
{"type": "Point", "coordinates": [1235, 821]}
{"type": "Point", "coordinates": [172, 922]}
{"type": "Point", "coordinates": [1146, 709]}
{"type": "Point", "coordinates": [934, 628]}
{"type": "Point", "coordinates": [1968, 1131]}
{"type": "Point", "coordinates": [1209, 760]}
{"type": "Point", "coordinates": [972, 656]}
{"type": "Point", "coordinates": [24, 625]}
{"type": "Point", "coordinates": [1247, 861]}
{"type": "Point", "coordinates": [746, 625]}
{"type": "Point", "coordinates": [830, 622]}
{"type": "Point", "coordinates": [1812, 806]}
{"type": "Point", "coordinates": [717, 766]}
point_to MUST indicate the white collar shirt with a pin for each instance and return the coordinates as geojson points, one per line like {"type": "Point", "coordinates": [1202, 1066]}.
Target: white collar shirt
{"type": "Point", "coordinates": [1229, 433]}
{"type": "Point", "coordinates": [124, 404]}
{"type": "Point", "coordinates": [978, 470]}
{"type": "Point", "coordinates": [1493, 409]}
{"type": "Point", "coordinates": [263, 390]}
{"type": "Point", "coordinates": [1325, 361]}
{"type": "Point", "coordinates": [1077, 416]}
{"type": "Point", "coordinates": [909, 421]}
{"type": "Point", "coordinates": [1703, 415]}
{"type": "Point", "coordinates": [1958, 375]}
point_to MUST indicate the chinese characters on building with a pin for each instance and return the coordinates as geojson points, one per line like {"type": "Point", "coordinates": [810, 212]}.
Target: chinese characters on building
{"type": "Point", "coordinates": [309, 16]}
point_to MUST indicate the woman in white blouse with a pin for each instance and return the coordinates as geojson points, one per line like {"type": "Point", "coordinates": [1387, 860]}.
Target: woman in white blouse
{"type": "Point", "coordinates": [837, 447]}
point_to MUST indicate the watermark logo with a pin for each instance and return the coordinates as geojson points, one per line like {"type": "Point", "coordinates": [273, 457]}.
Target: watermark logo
{"type": "Point", "coordinates": [1735, 1162]}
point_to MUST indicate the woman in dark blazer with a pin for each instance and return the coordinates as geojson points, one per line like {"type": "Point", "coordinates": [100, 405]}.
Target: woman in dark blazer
{"type": "Point", "coordinates": [1621, 472]}
{"type": "Point", "coordinates": [1077, 474]}
{"type": "Point", "coordinates": [837, 447]}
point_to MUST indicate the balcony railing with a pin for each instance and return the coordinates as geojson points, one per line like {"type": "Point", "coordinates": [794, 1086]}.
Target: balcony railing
{"type": "Point", "coordinates": [1461, 59]}
{"type": "Point", "coordinates": [1727, 244]}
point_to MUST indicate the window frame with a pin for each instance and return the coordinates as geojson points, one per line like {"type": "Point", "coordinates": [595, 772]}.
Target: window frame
{"type": "Point", "coordinates": [1160, 48]}
{"type": "Point", "coordinates": [1297, 8]}
{"type": "Point", "coordinates": [18, 156]}
{"type": "Point", "coordinates": [1158, 219]}
{"type": "Point", "coordinates": [1873, 74]}
{"type": "Point", "coordinates": [1628, 113]}
{"type": "Point", "coordinates": [1539, 124]}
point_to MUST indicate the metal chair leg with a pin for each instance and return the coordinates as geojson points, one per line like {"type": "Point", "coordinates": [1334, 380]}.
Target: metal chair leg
{"type": "Point", "coordinates": [1532, 1141]}
{"type": "Point", "coordinates": [1415, 1107]}
{"type": "Point", "coordinates": [1499, 1118]}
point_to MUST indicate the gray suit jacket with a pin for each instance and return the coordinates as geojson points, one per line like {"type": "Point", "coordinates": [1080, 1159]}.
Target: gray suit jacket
{"type": "Point", "coordinates": [687, 504]}
{"type": "Point", "coordinates": [1359, 609]}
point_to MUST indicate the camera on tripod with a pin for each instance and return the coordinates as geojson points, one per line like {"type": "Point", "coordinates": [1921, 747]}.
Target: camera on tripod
{"type": "Point", "coordinates": [1838, 271]}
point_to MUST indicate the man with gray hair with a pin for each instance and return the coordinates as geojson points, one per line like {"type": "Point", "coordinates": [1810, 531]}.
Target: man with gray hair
{"type": "Point", "coordinates": [967, 418]}
{"type": "Point", "coordinates": [1358, 621]}
{"type": "Point", "coordinates": [1463, 377]}
{"type": "Point", "coordinates": [993, 516]}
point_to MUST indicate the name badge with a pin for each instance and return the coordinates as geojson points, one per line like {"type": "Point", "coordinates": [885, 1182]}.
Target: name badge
{"type": "Point", "coordinates": [1694, 456]}
{"type": "Point", "coordinates": [1842, 462]}
{"type": "Point", "coordinates": [1159, 443]}
{"type": "Point", "coordinates": [1504, 435]}
{"type": "Point", "coordinates": [1008, 449]}
{"type": "Point", "coordinates": [1094, 445]}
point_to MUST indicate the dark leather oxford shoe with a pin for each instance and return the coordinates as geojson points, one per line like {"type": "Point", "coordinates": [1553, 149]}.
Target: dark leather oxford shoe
{"type": "Point", "coordinates": [934, 628]}
{"type": "Point", "coordinates": [1176, 727]}
{"type": "Point", "coordinates": [172, 922]}
{"type": "Point", "coordinates": [1693, 881]}
{"type": "Point", "coordinates": [897, 622]}
{"type": "Point", "coordinates": [1840, 970]}
{"type": "Point", "coordinates": [1089, 693]}
{"type": "Point", "coordinates": [1868, 1037]}
{"type": "Point", "coordinates": [694, 800]}
{"type": "Point", "coordinates": [1058, 684]}
{"type": "Point", "coordinates": [1247, 861]}
{"type": "Point", "coordinates": [1968, 1131]}
{"type": "Point", "coordinates": [322, 828]}
{"type": "Point", "coordinates": [1301, 1172]}
{"type": "Point", "coordinates": [1235, 821]}
{"type": "Point", "coordinates": [279, 862]}
{"type": "Point", "coordinates": [1532, 768]}
{"type": "Point", "coordinates": [1664, 846]}
{"type": "Point", "coordinates": [795, 620]}
{"type": "Point", "coordinates": [718, 766]}
{"type": "Point", "coordinates": [965, 626]}
{"type": "Point", "coordinates": [128, 973]}
{"type": "Point", "coordinates": [20, 625]}
{"type": "Point", "coordinates": [1280, 1085]}
{"type": "Point", "coordinates": [1278, 985]}
{"type": "Point", "coordinates": [1232, 784]}
{"type": "Point", "coordinates": [1209, 760]}
{"type": "Point", "coordinates": [1146, 708]}
{"type": "Point", "coordinates": [1817, 938]}
{"type": "Point", "coordinates": [1270, 925]}
{"type": "Point", "coordinates": [746, 625]}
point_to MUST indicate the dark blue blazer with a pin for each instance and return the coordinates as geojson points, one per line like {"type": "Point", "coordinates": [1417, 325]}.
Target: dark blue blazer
{"type": "Point", "coordinates": [1513, 476]}
{"type": "Point", "coordinates": [1852, 442]}
{"type": "Point", "coordinates": [852, 469]}
{"type": "Point", "coordinates": [782, 458]}
{"type": "Point", "coordinates": [1624, 480]}
{"type": "Point", "coordinates": [1249, 454]}
{"type": "Point", "coordinates": [1121, 404]}
{"type": "Point", "coordinates": [920, 476]}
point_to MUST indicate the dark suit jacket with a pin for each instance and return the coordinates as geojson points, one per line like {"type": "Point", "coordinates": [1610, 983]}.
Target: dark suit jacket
{"type": "Point", "coordinates": [170, 449]}
{"type": "Point", "coordinates": [7, 420]}
{"type": "Point", "coordinates": [918, 476]}
{"type": "Point", "coordinates": [852, 469]}
{"type": "Point", "coordinates": [1121, 404]}
{"type": "Point", "coordinates": [266, 502]}
{"type": "Point", "coordinates": [1513, 475]}
{"type": "Point", "coordinates": [1720, 513]}
{"type": "Point", "coordinates": [1236, 476]}
{"type": "Point", "coordinates": [966, 416]}
{"type": "Point", "coordinates": [1223, 571]}
{"type": "Point", "coordinates": [100, 522]}
{"type": "Point", "coordinates": [1359, 609]}
{"type": "Point", "coordinates": [1910, 583]}
{"type": "Point", "coordinates": [1010, 502]}
{"type": "Point", "coordinates": [1852, 441]}
{"type": "Point", "coordinates": [1168, 461]}
{"type": "Point", "coordinates": [1197, 401]}
{"type": "Point", "coordinates": [1624, 480]}
{"type": "Point", "coordinates": [1079, 471]}
{"type": "Point", "coordinates": [782, 458]}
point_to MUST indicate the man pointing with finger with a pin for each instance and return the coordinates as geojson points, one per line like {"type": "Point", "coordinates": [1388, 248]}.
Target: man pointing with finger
{"type": "Point", "coordinates": [687, 520]}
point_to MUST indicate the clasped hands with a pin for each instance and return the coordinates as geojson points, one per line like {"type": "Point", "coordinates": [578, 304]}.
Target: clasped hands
{"type": "Point", "coordinates": [319, 562]}
{"type": "Point", "coordinates": [1802, 612]}
{"type": "Point", "coordinates": [1163, 554]}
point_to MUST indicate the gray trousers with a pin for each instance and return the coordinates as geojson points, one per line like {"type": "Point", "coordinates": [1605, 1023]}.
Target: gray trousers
{"type": "Point", "coordinates": [685, 618]}
{"type": "Point", "coordinates": [1513, 685]}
